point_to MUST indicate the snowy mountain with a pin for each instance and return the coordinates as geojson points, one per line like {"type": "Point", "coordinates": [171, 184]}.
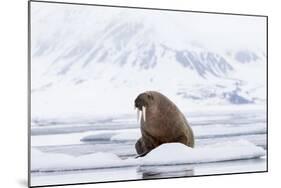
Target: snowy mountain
{"type": "Point", "coordinates": [81, 54]}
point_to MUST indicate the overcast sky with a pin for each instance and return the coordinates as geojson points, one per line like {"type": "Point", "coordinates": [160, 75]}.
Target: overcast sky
{"type": "Point", "coordinates": [211, 30]}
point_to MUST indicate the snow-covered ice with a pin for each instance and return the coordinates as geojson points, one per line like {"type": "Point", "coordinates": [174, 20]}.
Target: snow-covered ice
{"type": "Point", "coordinates": [42, 162]}
{"type": "Point", "coordinates": [181, 154]}
{"type": "Point", "coordinates": [81, 151]}
{"type": "Point", "coordinates": [178, 154]}
{"type": "Point", "coordinates": [108, 144]}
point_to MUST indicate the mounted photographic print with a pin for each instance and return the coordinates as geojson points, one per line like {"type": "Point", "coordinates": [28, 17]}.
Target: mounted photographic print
{"type": "Point", "coordinates": [128, 93]}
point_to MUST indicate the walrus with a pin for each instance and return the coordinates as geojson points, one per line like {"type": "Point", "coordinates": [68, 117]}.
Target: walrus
{"type": "Point", "coordinates": [160, 122]}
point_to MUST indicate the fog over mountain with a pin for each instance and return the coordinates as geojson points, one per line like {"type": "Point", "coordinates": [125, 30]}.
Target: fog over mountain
{"type": "Point", "coordinates": [101, 51]}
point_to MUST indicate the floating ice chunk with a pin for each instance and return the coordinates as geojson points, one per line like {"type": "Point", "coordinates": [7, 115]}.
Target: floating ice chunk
{"type": "Point", "coordinates": [181, 154]}
{"type": "Point", "coordinates": [48, 162]}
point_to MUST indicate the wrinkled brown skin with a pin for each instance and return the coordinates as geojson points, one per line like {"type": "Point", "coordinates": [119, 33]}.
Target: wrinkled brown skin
{"type": "Point", "coordinates": [164, 123]}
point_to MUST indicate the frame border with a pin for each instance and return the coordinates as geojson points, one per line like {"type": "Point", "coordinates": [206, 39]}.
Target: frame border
{"type": "Point", "coordinates": [29, 93]}
{"type": "Point", "coordinates": [129, 7]}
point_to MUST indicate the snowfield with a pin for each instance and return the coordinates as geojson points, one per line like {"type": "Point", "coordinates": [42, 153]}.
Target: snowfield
{"type": "Point", "coordinates": [78, 65]}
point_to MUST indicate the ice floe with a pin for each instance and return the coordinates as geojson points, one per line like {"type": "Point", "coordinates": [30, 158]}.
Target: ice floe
{"type": "Point", "coordinates": [165, 154]}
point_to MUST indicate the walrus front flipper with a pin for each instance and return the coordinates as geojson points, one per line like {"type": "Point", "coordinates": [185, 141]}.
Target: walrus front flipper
{"type": "Point", "coordinates": [142, 155]}
{"type": "Point", "coordinates": [140, 146]}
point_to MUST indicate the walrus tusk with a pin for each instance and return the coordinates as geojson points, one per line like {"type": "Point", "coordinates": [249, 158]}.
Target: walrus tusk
{"type": "Point", "coordinates": [138, 114]}
{"type": "Point", "coordinates": [144, 112]}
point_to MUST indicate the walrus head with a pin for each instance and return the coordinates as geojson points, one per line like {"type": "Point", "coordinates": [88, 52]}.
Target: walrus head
{"type": "Point", "coordinates": [142, 102]}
